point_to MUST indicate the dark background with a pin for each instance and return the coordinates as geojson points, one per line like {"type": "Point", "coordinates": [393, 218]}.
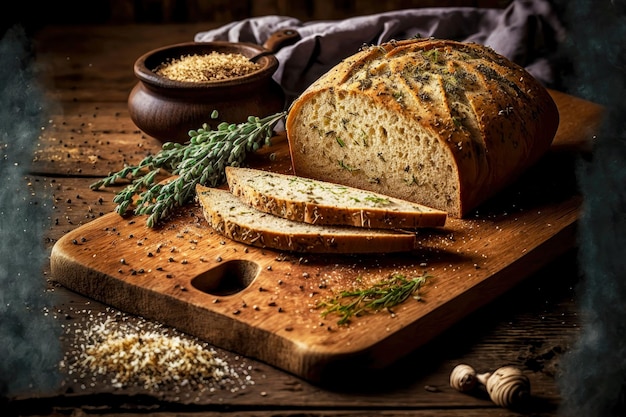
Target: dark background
{"type": "Point", "coordinates": [33, 14]}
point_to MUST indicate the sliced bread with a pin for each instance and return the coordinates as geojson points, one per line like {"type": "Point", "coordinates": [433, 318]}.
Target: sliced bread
{"type": "Point", "coordinates": [441, 123]}
{"type": "Point", "coordinates": [231, 217]}
{"type": "Point", "coordinates": [325, 203]}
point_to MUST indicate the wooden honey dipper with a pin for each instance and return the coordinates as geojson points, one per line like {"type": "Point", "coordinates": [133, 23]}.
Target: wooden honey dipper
{"type": "Point", "coordinates": [507, 386]}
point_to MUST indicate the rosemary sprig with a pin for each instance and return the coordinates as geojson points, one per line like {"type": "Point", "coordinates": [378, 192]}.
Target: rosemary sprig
{"type": "Point", "coordinates": [382, 295]}
{"type": "Point", "coordinates": [201, 160]}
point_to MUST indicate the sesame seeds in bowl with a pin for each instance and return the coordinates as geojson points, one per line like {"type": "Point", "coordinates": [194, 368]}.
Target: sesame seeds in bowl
{"type": "Point", "coordinates": [180, 86]}
{"type": "Point", "coordinates": [223, 63]}
{"type": "Point", "coordinates": [214, 66]}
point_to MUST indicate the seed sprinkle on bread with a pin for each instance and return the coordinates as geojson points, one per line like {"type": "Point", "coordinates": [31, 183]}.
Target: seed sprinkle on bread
{"type": "Point", "coordinates": [231, 217]}
{"type": "Point", "coordinates": [441, 123]}
{"type": "Point", "coordinates": [324, 203]}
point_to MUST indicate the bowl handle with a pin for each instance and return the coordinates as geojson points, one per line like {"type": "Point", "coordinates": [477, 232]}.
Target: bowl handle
{"type": "Point", "coordinates": [281, 38]}
{"type": "Point", "coordinates": [276, 41]}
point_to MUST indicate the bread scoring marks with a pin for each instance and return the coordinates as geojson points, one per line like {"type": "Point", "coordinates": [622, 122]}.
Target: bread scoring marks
{"type": "Point", "coordinates": [465, 97]}
{"type": "Point", "coordinates": [432, 76]}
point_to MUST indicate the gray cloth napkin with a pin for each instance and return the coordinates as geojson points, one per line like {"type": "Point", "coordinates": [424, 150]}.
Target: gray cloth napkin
{"type": "Point", "coordinates": [525, 32]}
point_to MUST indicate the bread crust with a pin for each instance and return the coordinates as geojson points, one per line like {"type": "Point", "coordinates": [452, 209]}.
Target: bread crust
{"type": "Point", "coordinates": [219, 208]}
{"type": "Point", "coordinates": [364, 209]}
{"type": "Point", "coordinates": [490, 118]}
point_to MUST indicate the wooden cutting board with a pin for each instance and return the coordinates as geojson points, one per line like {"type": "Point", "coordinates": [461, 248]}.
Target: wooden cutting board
{"type": "Point", "coordinates": [263, 303]}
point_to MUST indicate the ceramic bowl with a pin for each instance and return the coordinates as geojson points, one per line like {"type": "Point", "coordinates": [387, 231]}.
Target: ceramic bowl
{"type": "Point", "coordinates": [167, 109]}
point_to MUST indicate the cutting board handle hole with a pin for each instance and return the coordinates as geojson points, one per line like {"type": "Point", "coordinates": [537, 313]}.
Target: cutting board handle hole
{"type": "Point", "coordinates": [228, 278]}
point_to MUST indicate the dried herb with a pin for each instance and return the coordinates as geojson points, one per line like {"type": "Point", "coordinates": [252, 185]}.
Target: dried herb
{"type": "Point", "coordinates": [202, 160]}
{"type": "Point", "coordinates": [378, 200]}
{"type": "Point", "coordinates": [347, 167]}
{"type": "Point", "coordinates": [382, 295]}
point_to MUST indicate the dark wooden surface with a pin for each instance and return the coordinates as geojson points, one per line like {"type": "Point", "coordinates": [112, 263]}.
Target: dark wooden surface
{"type": "Point", "coordinates": [491, 251]}
{"type": "Point", "coordinates": [87, 72]}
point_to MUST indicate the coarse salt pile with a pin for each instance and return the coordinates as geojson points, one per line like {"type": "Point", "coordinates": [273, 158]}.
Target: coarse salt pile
{"type": "Point", "coordinates": [139, 353]}
{"type": "Point", "coordinates": [148, 358]}
{"type": "Point", "coordinates": [214, 66]}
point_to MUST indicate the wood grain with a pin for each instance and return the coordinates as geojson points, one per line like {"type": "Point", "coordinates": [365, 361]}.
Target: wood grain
{"type": "Point", "coordinates": [262, 303]}
{"type": "Point", "coordinates": [530, 326]}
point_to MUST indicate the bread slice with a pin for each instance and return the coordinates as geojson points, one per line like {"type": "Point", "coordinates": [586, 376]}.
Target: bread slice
{"type": "Point", "coordinates": [233, 218]}
{"type": "Point", "coordinates": [325, 203]}
{"type": "Point", "coordinates": [440, 123]}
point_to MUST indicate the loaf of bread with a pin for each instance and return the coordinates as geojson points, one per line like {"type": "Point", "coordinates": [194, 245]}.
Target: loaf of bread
{"type": "Point", "coordinates": [437, 122]}
{"type": "Point", "coordinates": [233, 218]}
{"type": "Point", "coordinates": [325, 203]}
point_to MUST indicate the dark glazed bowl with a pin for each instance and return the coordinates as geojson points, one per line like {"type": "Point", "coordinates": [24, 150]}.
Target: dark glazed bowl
{"type": "Point", "coordinates": [167, 109]}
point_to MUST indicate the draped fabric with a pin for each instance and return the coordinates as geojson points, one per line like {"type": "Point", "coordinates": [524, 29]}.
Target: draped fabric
{"type": "Point", "coordinates": [526, 32]}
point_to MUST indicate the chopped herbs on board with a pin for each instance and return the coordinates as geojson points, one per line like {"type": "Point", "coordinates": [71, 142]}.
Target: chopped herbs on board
{"type": "Point", "coordinates": [202, 160]}
{"type": "Point", "coordinates": [385, 294]}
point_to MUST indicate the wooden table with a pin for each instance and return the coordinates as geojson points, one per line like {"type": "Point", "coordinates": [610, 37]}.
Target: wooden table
{"type": "Point", "coordinates": [88, 75]}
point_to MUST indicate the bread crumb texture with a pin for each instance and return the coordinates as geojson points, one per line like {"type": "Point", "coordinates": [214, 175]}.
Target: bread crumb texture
{"type": "Point", "coordinates": [441, 123]}
{"type": "Point", "coordinates": [235, 219]}
{"type": "Point", "coordinates": [325, 203]}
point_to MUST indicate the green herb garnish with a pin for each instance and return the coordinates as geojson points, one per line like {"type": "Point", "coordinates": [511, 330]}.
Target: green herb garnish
{"type": "Point", "coordinates": [377, 200]}
{"type": "Point", "coordinates": [433, 55]}
{"type": "Point", "coordinates": [347, 167]}
{"type": "Point", "coordinates": [383, 295]}
{"type": "Point", "coordinates": [398, 96]}
{"type": "Point", "coordinates": [412, 181]}
{"type": "Point", "coordinates": [363, 137]}
{"type": "Point", "coordinates": [202, 160]}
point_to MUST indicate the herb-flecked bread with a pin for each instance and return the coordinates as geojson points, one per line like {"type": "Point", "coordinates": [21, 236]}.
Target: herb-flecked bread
{"type": "Point", "coordinates": [234, 219]}
{"type": "Point", "coordinates": [325, 203]}
{"type": "Point", "coordinates": [437, 122]}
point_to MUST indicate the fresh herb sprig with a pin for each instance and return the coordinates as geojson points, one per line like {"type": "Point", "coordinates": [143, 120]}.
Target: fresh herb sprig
{"type": "Point", "coordinates": [382, 295]}
{"type": "Point", "coordinates": [201, 160]}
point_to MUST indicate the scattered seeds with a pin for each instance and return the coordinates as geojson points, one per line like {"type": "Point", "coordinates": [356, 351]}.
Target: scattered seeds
{"type": "Point", "coordinates": [125, 351]}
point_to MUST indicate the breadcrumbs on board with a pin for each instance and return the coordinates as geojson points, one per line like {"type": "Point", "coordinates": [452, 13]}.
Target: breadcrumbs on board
{"type": "Point", "coordinates": [122, 351]}
{"type": "Point", "coordinates": [214, 66]}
